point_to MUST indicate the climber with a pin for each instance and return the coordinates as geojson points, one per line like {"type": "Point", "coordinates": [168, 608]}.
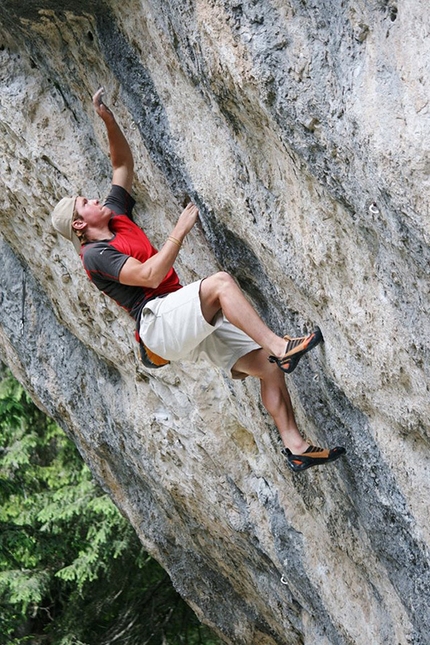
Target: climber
{"type": "Point", "coordinates": [210, 318]}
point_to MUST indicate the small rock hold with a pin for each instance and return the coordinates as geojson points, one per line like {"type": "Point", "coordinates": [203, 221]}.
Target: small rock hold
{"type": "Point", "coordinates": [361, 32]}
{"type": "Point", "coordinates": [310, 123]}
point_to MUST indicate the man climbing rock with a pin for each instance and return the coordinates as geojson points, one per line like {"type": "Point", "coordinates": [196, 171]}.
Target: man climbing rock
{"type": "Point", "coordinates": [208, 319]}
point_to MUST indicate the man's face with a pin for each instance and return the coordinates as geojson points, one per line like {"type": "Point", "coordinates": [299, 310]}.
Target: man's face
{"type": "Point", "coordinates": [92, 212]}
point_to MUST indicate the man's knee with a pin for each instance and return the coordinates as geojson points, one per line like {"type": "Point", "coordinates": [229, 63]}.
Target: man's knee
{"type": "Point", "coordinates": [212, 292]}
{"type": "Point", "coordinates": [223, 280]}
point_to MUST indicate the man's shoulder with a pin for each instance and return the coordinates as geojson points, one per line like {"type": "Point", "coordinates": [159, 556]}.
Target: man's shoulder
{"type": "Point", "coordinates": [102, 260]}
{"type": "Point", "coordinates": [95, 254]}
{"type": "Point", "coordinates": [93, 248]}
{"type": "Point", "coordinates": [120, 201]}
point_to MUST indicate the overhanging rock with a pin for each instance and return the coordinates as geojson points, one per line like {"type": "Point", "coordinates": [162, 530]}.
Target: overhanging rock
{"type": "Point", "coordinates": [301, 131]}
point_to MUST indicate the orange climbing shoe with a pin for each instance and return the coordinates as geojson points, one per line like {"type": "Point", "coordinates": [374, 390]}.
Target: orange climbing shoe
{"type": "Point", "coordinates": [313, 456]}
{"type": "Point", "coordinates": [295, 349]}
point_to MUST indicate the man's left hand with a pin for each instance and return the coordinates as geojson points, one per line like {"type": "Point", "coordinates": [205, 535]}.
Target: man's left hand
{"type": "Point", "coordinates": [102, 110]}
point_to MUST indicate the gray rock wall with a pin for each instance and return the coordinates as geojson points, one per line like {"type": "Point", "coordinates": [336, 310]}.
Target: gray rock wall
{"type": "Point", "coordinates": [301, 131]}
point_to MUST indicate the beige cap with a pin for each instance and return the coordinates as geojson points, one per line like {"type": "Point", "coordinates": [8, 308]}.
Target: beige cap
{"type": "Point", "coordinates": [62, 218]}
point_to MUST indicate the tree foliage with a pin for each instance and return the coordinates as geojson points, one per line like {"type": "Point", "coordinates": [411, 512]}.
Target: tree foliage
{"type": "Point", "coordinates": [72, 571]}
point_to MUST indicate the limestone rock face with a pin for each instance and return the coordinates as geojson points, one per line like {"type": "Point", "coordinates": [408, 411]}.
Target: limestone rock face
{"type": "Point", "coordinates": [301, 131]}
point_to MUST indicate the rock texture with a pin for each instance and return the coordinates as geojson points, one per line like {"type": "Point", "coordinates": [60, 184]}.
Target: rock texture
{"type": "Point", "coordinates": [301, 131]}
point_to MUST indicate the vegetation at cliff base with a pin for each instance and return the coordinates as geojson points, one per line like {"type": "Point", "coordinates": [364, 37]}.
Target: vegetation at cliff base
{"type": "Point", "coordinates": [72, 571]}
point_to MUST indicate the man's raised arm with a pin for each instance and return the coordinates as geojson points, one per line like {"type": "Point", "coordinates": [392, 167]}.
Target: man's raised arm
{"type": "Point", "coordinates": [120, 153]}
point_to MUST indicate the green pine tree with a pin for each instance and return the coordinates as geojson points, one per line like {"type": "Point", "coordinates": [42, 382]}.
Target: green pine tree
{"type": "Point", "coordinates": [72, 571]}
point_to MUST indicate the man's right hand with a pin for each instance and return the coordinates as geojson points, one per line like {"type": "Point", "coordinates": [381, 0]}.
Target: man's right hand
{"type": "Point", "coordinates": [186, 220]}
{"type": "Point", "coordinates": [153, 271]}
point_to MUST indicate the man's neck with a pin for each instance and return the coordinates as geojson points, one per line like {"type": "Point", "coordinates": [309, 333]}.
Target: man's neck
{"type": "Point", "coordinates": [98, 234]}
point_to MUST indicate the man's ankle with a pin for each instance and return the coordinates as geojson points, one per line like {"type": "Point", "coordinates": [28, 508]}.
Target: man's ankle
{"type": "Point", "coordinates": [297, 447]}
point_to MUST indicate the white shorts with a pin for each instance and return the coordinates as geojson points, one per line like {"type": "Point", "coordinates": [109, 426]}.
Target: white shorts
{"type": "Point", "coordinates": [173, 327]}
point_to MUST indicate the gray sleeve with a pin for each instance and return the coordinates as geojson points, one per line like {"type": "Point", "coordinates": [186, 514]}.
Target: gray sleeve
{"type": "Point", "coordinates": [103, 262]}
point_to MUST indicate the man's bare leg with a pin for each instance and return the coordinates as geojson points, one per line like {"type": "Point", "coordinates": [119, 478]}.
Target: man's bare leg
{"type": "Point", "coordinates": [275, 397]}
{"type": "Point", "coordinates": [220, 291]}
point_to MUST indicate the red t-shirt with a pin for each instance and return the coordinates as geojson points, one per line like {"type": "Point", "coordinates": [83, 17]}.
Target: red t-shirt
{"type": "Point", "coordinates": [104, 259]}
